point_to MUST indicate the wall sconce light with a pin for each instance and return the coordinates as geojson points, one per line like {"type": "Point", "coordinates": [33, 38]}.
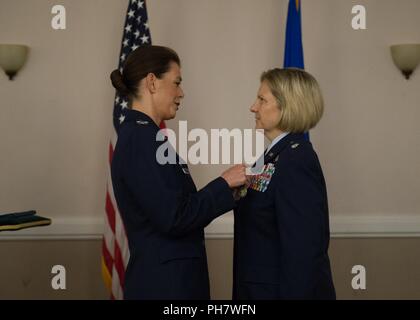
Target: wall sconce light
{"type": "Point", "coordinates": [12, 58]}
{"type": "Point", "coordinates": [406, 57]}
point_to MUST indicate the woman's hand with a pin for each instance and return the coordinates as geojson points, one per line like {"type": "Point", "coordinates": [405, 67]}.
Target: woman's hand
{"type": "Point", "coordinates": [235, 176]}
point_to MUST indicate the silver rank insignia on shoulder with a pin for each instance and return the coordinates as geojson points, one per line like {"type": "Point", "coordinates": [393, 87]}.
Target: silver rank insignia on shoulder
{"type": "Point", "coordinates": [142, 122]}
{"type": "Point", "coordinates": [295, 145]}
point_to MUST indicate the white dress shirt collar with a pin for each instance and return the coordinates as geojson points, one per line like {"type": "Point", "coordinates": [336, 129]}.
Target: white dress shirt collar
{"type": "Point", "coordinates": [275, 140]}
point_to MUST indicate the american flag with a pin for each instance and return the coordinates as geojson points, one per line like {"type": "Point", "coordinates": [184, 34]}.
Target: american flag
{"type": "Point", "coordinates": [115, 251]}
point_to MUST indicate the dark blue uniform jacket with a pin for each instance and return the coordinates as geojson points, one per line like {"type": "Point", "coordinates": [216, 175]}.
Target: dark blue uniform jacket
{"type": "Point", "coordinates": [282, 230]}
{"type": "Point", "coordinates": [164, 216]}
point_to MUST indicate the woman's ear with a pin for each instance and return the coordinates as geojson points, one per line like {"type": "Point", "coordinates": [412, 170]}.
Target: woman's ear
{"type": "Point", "coordinates": [151, 82]}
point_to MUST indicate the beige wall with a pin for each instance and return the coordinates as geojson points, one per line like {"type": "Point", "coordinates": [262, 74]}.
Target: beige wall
{"type": "Point", "coordinates": [55, 117]}
{"type": "Point", "coordinates": [55, 122]}
{"type": "Point", "coordinates": [392, 268]}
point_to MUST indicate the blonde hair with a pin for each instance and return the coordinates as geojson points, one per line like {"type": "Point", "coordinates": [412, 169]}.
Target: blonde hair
{"type": "Point", "coordinates": [298, 96]}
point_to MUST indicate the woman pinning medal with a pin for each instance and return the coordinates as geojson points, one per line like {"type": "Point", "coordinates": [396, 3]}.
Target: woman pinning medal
{"type": "Point", "coordinates": [163, 213]}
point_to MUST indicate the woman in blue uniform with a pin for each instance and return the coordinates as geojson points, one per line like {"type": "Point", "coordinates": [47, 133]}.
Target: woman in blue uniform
{"type": "Point", "coordinates": [281, 225]}
{"type": "Point", "coordinates": [163, 213]}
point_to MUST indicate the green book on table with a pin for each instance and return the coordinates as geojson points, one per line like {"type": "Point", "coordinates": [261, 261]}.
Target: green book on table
{"type": "Point", "coordinates": [22, 220]}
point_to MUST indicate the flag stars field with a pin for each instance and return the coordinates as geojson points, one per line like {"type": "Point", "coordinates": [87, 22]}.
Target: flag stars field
{"type": "Point", "coordinates": [144, 39]}
{"type": "Point", "coordinates": [124, 104]}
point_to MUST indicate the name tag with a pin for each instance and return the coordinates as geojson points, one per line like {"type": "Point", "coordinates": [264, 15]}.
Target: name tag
{"type": "Point", "coordinates": [261, 181]}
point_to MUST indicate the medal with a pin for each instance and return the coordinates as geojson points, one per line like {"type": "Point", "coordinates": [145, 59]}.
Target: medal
{"type": "Point", "coordinates": [243, 191]}
{"type": "Point", "coordinates": [261, 181]}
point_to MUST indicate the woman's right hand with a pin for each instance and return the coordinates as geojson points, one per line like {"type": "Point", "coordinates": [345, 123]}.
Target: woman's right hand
{"type": "Point", "coordinates": [235, 176]}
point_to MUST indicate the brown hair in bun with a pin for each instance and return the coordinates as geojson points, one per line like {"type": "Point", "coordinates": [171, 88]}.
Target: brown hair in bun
{"type": "Point", "coordinates": [118, 83]}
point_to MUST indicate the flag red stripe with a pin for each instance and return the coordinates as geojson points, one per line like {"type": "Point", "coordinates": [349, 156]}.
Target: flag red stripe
{"type": "Point", "coordinates": [109, 261]}
{"type": "Point", "coordinates": [110, 212]}
{"type": "Point", "coordinates": [110, 153]}
{"type": "Point", "coordinates": [119, 264]}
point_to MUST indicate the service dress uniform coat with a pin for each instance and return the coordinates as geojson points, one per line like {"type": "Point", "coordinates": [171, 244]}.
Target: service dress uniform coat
{"type": "Point", "coordinates": [164, 216]}
{"type": "Point", "coordinates": [282, 229]}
